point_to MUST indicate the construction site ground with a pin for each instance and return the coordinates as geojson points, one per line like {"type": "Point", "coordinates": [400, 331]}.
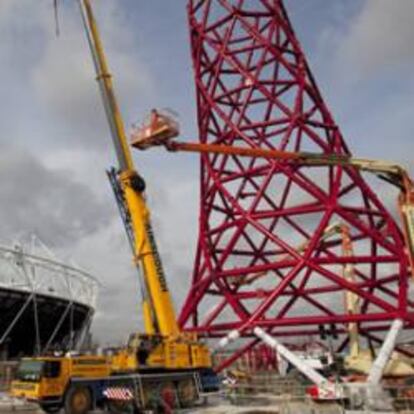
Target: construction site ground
{"type": "Point", "coordinates": [264, 403]}
{"type": "Point", "coordinates": [261, 404]}
{"type": "Point", "coordinates": [259, 393]}
{"type": "Point", "coordinates": [293, 408]}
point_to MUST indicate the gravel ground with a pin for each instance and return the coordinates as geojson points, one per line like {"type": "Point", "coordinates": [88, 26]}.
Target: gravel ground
{"type": "Point", "coordinates": [217, 405]}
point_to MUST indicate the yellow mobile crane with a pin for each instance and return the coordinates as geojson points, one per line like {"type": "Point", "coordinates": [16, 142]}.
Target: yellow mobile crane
{"type": "Point", "coordinates": [168, 347]}
{"type": "Point", "coordinates": [161, 361]}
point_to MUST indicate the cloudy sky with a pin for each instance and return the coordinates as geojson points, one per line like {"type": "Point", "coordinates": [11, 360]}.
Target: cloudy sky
{"type": "Point", "coordinates": [55, 144]}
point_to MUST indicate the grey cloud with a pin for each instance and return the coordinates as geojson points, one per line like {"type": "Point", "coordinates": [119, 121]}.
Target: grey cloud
{"type": "Point", "coordinates": [174, 202]}
{"type": "Point", "coordinates": [64, 79]}
{"type": "Point", "coordinates": [380, 37]}
{"type": "Point", "coordinates": [52, 79]}
{"type": "Point", "coordinates": [47, 202]}
{"type": "Point", "coordinates": [57, 112]}
{"type": "Point", "coordinates": [106, 254]}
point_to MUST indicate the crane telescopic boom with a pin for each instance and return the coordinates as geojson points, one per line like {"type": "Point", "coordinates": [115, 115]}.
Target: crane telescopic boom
{"type": "Point", "coordinates": [159, 314]}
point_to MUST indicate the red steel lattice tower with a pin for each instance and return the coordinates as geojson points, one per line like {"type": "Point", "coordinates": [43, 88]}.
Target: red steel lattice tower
{"type": "Point", "coordinates": [268, 254]}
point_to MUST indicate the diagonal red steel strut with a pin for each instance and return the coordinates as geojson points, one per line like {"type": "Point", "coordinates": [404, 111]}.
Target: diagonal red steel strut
{"type": "Point", "coordinates": [255, 91]}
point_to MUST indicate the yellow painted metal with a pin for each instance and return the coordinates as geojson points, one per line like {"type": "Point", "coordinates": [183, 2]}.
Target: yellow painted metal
{"type": "Point", "coordinates": [27, 390]}
{"type": "Point", "coordinates": [105, 79]}
{"type": "Point", "coordinates": [180, 353]}
{"type": "Point", "coordinates": [146, 252]}
{"type": "Point", "coordinates": [351, 299]}
{"type": "Point", "coordinates": [147, 316]}
{"type": "Point", "coordinates": [398, 366]}
{"type": "Point", "coordinates": [70, 367]}
{"type": "Point", "coordinates": [174, 349]}
{"type": "Point", "coordinates": [407, 214]}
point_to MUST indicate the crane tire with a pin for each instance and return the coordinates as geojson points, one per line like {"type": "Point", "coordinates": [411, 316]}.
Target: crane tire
{"type": "Point", "coordinates": [187, 392]}
{"type": "Point", "coordinates": [78, 400]}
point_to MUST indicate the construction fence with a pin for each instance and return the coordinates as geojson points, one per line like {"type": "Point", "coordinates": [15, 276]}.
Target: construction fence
{"type": "Point", "coordinates": [270, 393]}
{"type": "Point", "coordinates": [286, 395]}
{"type": "Point", "coordinates": [7, 373]}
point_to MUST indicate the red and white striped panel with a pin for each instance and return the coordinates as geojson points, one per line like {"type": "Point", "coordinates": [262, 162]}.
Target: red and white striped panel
{"type": "Point", "coordinates": [118, 393]}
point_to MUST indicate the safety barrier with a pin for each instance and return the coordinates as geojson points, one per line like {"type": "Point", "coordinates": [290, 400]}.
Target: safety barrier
{"type": "Point", "coordinates": [289, 396]}
{"type": "Point", "coordinates": [7, 372]}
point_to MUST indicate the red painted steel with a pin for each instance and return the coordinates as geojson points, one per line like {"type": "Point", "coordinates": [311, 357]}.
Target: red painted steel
{"type": "Point", "coordinates": [259, 358]}
{"type": "Point", "coordinates": [262, 259]}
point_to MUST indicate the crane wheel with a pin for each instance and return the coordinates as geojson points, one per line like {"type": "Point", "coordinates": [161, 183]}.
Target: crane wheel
{"type": "Point", "coordinates": [187, 392]}
{"type": "Point", "coordinates": [78, 400]}
{"type": "Point", "coordinates": [150, 396]}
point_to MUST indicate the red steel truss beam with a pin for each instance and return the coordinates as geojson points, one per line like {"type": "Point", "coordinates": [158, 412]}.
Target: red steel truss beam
{"type": "Point", "coordinates": [257, 95]}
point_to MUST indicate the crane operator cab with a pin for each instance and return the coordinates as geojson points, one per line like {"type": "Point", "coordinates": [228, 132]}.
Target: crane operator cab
{"type": "Point", "coordinates": [47, 380]}
{"type": "Point", "coordinates": [143, 345]}
{"type": "Point", "coordinates": [142, 352]}
{"type": "Point", "coordinates": [157, 129]}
